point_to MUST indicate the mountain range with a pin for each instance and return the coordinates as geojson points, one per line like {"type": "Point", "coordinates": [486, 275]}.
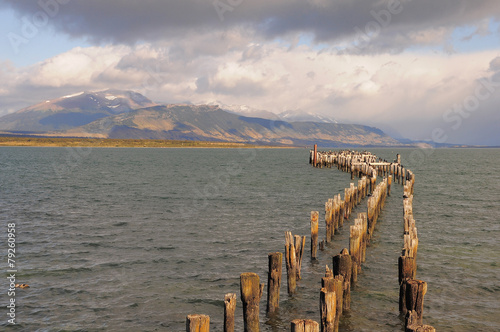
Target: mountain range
{"type": "Point", "coordinates": [128, 114]}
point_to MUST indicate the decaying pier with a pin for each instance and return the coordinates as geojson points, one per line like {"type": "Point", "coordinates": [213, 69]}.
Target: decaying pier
{"type": "Point", "coordinates": [374, 178]}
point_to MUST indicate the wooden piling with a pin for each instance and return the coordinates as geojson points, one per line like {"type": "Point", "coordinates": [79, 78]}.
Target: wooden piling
{"type": "Point", "coordinates": [342, 265]}
{"type": "Point", "coordinates": [327, 309]}
{"type": "Point", "coordinates": [251, 292]}
{"type": "Point", "coordinates": [304, 325]}
{"type": "Point", "coordinates": [338, 217]}
{"type": "Point", "coordinates": [341, 212]}
{"type": "Point", "coordinates": [197, 323]}
{"type": "Point", "coordinates": [412, 325]}
{"type": "Point", "coordinates": [335, 221]}
{"type": "Point", "coordinates": [347, 203]}
{"type": "Point", "coordinates": [229, 309]}
{"type": "Point", "coordinates": [354, 249]}
{"type": "Point", "coordinates": [411, 297]}
{"type": "Point", "coordinates": [328, 221]}
{"type": "Point", "coordinates": [364, 234]}
{"type": "Point", "coordinates": [315, 156]}
{"type": "Point", "coordinates": [274, 282]}
{"type": "Point", "coordinates": [366, 167]}
{"type": "Point", "coordinates": [334, 284]}
{"type": "Point", "coordinates": [354, 194]}
{"type": "Point", "coordinates": [407, 267]}
{"type": "Point", "coordinates": [300, 243]}
{"type": "Point", "coordinates": [338, 288]}
{"type": "Point", "coordinates": [360, 191]}
{"type": "Point", "coordinates": [314, 234]}
{"type": "Point", "coordinates": [389, 181]}
{"type": "Point", "coordinates": [291, 263]}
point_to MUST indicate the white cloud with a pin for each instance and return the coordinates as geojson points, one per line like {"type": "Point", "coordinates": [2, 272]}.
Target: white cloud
{"type": "Point", "coordinates": [77, 67]}
{"type": "Point", "coordinates": [408, 91]}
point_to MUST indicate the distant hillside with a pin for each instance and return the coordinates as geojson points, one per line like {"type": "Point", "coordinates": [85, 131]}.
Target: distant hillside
{"type": "Point", "coordinates": [210, 123]}
{"type": "Point", "coordinates": [129, 115]}
{"type": "Point", "coordinates": [73, 111]}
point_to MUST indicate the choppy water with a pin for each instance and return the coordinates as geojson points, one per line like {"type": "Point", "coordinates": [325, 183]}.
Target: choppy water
{"type": "Point", "coordinates": [136, 239]}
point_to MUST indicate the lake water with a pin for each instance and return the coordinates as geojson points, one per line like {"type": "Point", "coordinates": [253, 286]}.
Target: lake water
{"type": "Point", "coordinates": [136, 239]}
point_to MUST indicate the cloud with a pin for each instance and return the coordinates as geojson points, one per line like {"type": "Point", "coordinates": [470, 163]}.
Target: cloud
{"type": "Point", "coordinates": [77, 67]}
{"type": "Point", "coordinates": [495, 64]}
{"type": "Point", "coordinates": [410, 91]}
{"type": "Point", "coordinates": [385, 25]}
{"type": "Point", "coordinates": [357, 61]}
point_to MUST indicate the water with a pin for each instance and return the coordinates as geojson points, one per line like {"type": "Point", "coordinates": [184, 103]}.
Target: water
{"type": "Point", "coordinates": [136, 239]}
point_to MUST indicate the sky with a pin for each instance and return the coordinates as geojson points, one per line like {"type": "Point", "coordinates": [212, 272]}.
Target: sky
{"type": "Point", "coordinates": [419, 69]}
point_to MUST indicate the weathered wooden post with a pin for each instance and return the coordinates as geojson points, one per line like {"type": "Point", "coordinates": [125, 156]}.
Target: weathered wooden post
{"type": "Point", "coordinates": [341, 212]}
{"type": "Point", "coordinates": [291, 263]}
{"type": "Point", "coordinates": [314, 234]}
{"type": "Point", "coordinates": [360, 191]}
{"type": "Point", "coordinates": [229, 309]}
{"type": "Point", "coordinates": [337, 201]}
{"type": "Point", "coordinates": [197, 323]}
{"type": "Point", "coordinates": [327, 307]}
{"type": "Point", "coordinates": [251, 292]}
{"type": "Point", "coordinates": [354, 248]}
{"type": "Point", "coordinates": [389, 181]}
{"type": "Point", "coordinates": [274, 282]}
{"type": "Point", "coordinates": [315, 157]}
{"type": "Point", "coordinates": [338, 288]}
{"type": "Point", "coordinates": [364, 234]}
{"type": "Point", "coordinates": [300, 243]}
{"type": "Point", "coordinates": [304, 325]}
{"type": "Point", "coordinates": [335, 223]}
{"type": "Point", "coordinates": [347, 203]}
{"type": "Point", "coordinates": [328, 220]}
{"type": "Point", "coordinates": [342, 265]}
{"type": "Point", "coordinates": [412, 297]}
{"type": "Point", "coordinates": [334, 284]}
{"type": "Point", "coordinates": [406, 266]}
{"type": "Point", "coordinates": [412, 325]}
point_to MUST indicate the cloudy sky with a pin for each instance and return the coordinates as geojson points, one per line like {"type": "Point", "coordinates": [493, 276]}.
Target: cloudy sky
{"type": "Point", "coordinates": [421, 69]}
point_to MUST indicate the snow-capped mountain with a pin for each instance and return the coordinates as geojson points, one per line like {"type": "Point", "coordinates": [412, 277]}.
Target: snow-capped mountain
{"type": "Point", "coordinates": [73, 110]}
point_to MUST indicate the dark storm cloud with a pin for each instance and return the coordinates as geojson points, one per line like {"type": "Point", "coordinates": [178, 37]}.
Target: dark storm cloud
{"type": "Point", "coordinates": [385, 24]}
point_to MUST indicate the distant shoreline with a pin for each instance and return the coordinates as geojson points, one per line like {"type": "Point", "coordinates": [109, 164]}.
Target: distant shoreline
{"type": "Point", "coordinates": [34, 141]}
{"type": "Point", "coordinates": [121, 143]}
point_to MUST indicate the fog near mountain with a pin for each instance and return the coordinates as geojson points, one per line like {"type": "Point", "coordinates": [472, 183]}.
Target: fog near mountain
{"type": "Point", "coordinates": [289, 115]}
{"type": "Point", "coordinates": [301, 116]}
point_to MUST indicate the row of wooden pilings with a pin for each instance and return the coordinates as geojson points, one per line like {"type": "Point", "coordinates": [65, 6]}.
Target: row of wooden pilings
{"type": "Point", "coordinates": [359, 164]}
{"type": "Point", "coordinates": [411, 290]}
{"type": "Point", "coordinates": [336, 284]}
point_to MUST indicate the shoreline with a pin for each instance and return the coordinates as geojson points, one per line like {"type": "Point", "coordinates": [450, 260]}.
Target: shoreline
{"type": "Point", "coordinates": [30, 141]}
{"type": "Point", "coordinates": [9, 141]}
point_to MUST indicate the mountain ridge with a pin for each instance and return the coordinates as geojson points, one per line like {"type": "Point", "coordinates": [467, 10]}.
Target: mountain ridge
{"type": "Point", "coordinates": [127, 114]}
